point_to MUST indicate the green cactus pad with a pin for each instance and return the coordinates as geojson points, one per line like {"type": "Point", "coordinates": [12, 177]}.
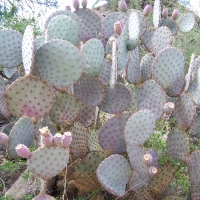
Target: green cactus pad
{"type": "Point", "coordinates": [134, 104]}
{"type": "Point", "coordinates": [104, 75]}
{"type": "Point", "coordinates": [7, 128]}
{"type": "Point", "coordinates": [113, 174]}
{"type": "Point", "coordinates": [187, 22]}
{"type": "Point", "coordinates": [117, 100]}
{"type": "Point", "coordinates": [59, 63]}
{"type": "Point", "coordinates": [161, 39]}
{"type": "Point", "coordinates": [185, 110]}
{"type": "Point", "coordinates": [133, 68]}
{"type": "Point", "coordinates": [8, 72]}
{"type": "Point", "coordinates": [111, 134]}
{"type": "Point", "coordinates": [162, 179]}
{"type": "Point", "coordinates": [39, 41]}
{"type": "Point", "coordinates": [91, 22]}
{"type": "Point", "coordinates": [66, 109]}
{"type": "Point", "coordinates": [142, 22]}
{"type": "Point", "coordinates": [63, 27]}
{"type": "Point", "coordinates": [170, 24]}
{"type": "Point", "coordinates": [93, 143]}
{"type": "Point", "coordinates": [143, 193]}
{"type": "Point", "coordinates": [31, 97]}
{"type": "Point", "coordinates": [146, 66]}
{"type": "Point", "coordinates": [2, 87]}
{"type": "Point", "coordinates": [28, 49]}
{"type": "Point", "coordinates": [195, 192]}
{"type": "Point", "coordinates": [78, 147]}
{"type": "Point", "coordinates": [107, 27]}
{"type": "Point", "coordinates": [44, 197]}
{"type": "Point", "coordinates": [151, 97]}
{"type": "Point", "coordinates": [139, 127]}
{"type": "Point", "coordinates": [147, 38]}
{"type": "Point", "coordinates": [193, 164]}
{"type": "Point", "coordinates": [10, 48]}
{"type": "Point", "coordinates": [47, 162]}
{"type": "Point", "coordinates": [93, 53]}
{"type": "Point", "coordinates": [168, 70]}
{"type": "Point", "coordinates": [23, 132]}
{"type": "Point", "coordinates": [177, 144]}
{"type": "Point", "coordinates": [89, 91]}
{"type": "Point", "coordinates": [195, 127]}
{"type": "Point", "coordinates": [87, 115]}
{"type": "Point", "coordinates": [156, 13]}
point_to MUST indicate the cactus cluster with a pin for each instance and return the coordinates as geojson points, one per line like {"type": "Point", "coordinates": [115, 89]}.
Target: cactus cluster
{"type": "Point", "coordinates": [85, 66]}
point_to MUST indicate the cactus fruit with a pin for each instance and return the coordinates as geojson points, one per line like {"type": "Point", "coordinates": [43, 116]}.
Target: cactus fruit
{"type": "Point", "coordinates": [118, 27]}
{"type": "Point", "coordinates": [23, 151]}
{"type": "Point", "coordinates": [46, 136]}
{"type": "Point", "coordinates": [122, 6]}
{"type": "Point", "coordinates": [76, 4]}
{"type": "Point", "coordinates": [57, 138]}
{"type": "Point", "coordinates": [84, 3]}
{"type": "Point", "coordinates": [152, 171]}
{"type": "Point", "coordinates": [3, 138]}
{"type": "Point", "coordinates": [175, 14]}
{"type": "Point", "coordinates": [66, 139]}
{"type": "Point", "coordinates": [148, 159]}
{"type": "Point", "coordinates": [147, 10]}
{"type": "Point", "coordinates": [169, 108]}
{"type": "Point", "coordinates": [165, 13]}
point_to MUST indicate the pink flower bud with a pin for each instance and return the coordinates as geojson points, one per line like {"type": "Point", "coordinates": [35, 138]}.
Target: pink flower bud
{"type": "Point", "coordinates": [76, 4]}
{"type": "Point", "coordinates": [122, 6]}
{"type": "Point", "coordinates": [169, 108]}
{"type": "Point", "coordinates": [152, 171]}
{"type": "Point", "coordinates": [148, 159]}
{"type": "Point", "coordinates": [46, 136]}
{"type": "Point", "coordinates": [84, 3]}
{"type": "Point", "coordinates": [23, 151]}
{"type": "Point", "coordinates": [118, 27]}
{"type": "Point", "coordinates": [165, 13]}
{"type": "Point", "coordinates": [147, 10]}
{"type": "Point", "coordinates": [3, 138]}
{"type": "Point", "coordinates": [175, 14]}
{"type": "Point", "coordinates": [68, 8]}
{"type": "Point", "coordinates": [66, 139]}
{"type": "Point", "coordinates": [57, 139]}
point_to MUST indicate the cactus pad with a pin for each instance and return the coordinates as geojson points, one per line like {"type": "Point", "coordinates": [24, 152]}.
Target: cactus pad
{"type": "Point", "coordinates": [134, 104]}
{"type": "Point", "coordinates": [152, 97]}
{"type": "Point", "coordinates": [89, 91]}
{"type": "Point", "coordinates": [59, 63]}
{"type": "Point", "coordinates": [154, 155]}
{"type": "Point", "coordinates": [195, 127]}
{"type": "Point", "coordinates": [142, 22]}
{"type": "Point", "coordinates": [113, 174]}
{"type": "Point", "coordinates": [66, 109]}
{"type": "Point", "coordinates": [173, 198]}
{"type": "Point", "coordinates": [104, 75]}
{"type": "Point", "coordinates": [93, 53]}
{"type": "Point", "coordinates": [39, 41]}
{"type": "Point", "coordinates": [44, 197]}
{"type": "Point", "coordinates": [4, 109]}
{"type": "Point", "coordinates": [185, 110]}
{"type": "Point", "coordinates": [31, 97]}
{"type": "Point", "coordinates": [8, 72]}
{"type": "Point", "coordinates": [7, 128]}
{"type": "Point", "coordinates": [177, 144]}
{"type": "Point", "coordinates": [10, 48]}
{"type": "Point", "coordinates": [111, 134]}
{"type": "Point", "coordinates": [187, 22]}
{"type": "Point", "coordinates": [23, 132]}
{"type": "Point", "coordinates": [93, 143]}
{"type": "Point", "coordinates": [47, 162]}
{"type": "Point", "coordinates": [147, 38]}
{"type": "Point", "coordinates": [2, 87]}
{"type": "Point", "coordinates": [156, 13]}
{"type": "Point", "coordinates": [117, 100]}
{"type": "Point", "coordinates": [195, 192]}
{"type": "Point", "coordinates": [170, 24]}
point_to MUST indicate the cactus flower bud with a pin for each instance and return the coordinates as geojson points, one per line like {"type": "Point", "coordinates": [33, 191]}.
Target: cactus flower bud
{"type": "Point", "coordinates": [175, 14]}
{"type": "Point", "coordinates": [68, 8]}
{"type": "Point", "coordinates": [66, 139]}
{"type": "Point", "coordinates": [122, 6]}
{"type": "Point", "coordinates": [118, 27]}
{"type": "Point", "coordinates": [23, 151]}
{"type": "Point", "coordinates": [169, 108]}
{"type": "Point", "coordinates": [84, 3]}
{"type": "Point", "coordinates": [3, 138]}
{"type": "Point", "coordinates": [147, 10]}
{"type": "Point", "coordinates": [76, 4]}
{"type": "Point", "coordinates": [152, 171]}
{"type": "Point", "coordinates": [57, 139]}
{"type": "Point", "coordinates": [165, 13]}
{"type": "Point", "coordinates": [148, 158]}
{"type": "Point", "coordinates": [46, 136]}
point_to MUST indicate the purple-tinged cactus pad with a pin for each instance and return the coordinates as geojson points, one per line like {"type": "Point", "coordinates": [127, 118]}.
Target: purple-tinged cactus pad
{"type": "Point", "coordinates": [107, 27]}
{"type": "Point", "coordinates": [161, 39]}
{"type": "Point", "coordinates": [193, 165]}
{"type": "Point", "coordinates": [134, 104]}
{"type": "Point", "coordinates": [151, 97]}
{"type": "Point", "coordinates": [111, 134]}
{"type": "Point", "coordinates": [168, 70]}
{"type": "Point", "coordinates": [10, 48]}
{"type": "Point", "coordinates": [93, 142]}
{"type": "Point", "coordinates": [156, 13]}
{"type": "Point", "coordinates": [87, 115]}
{"type": "Point", "coordinates": [31, 97]}
{"type": "Point", "coordinates": [133, 68]}
{"type": "Point", "coordinates": [195, 192]}
{"type": "Point", "coordinates": [195, 127]}
{"type": "Point", "coordinates": [3, 138]}
{"type": "Point", "coordinates": [170, 24]}
{"type": "Point", "coordinates": [117, 100]}
{"type": "Point", "coordinates": [142, 22]}
{"type": "Point", "coordinates": [139, 127]}
{"type": "Point", "coordinates": [89, 91]}
{"type": "Point", "coordinates": [187, 22]}
{"type": "Point", "coordinates": [23, 132]}
{"type": "Point", "coordinates": [113, 174]}
{"type": "Point", "coordinates": [91, 22]}
{"type": "Point", "coordinates": [185, 110]}
{"type": "Point", "coordinates": [4, 109]}
{"type": "Point", "coordinates": [28, 49]}
{"type": "Point", "coordinates": [154, 155]}
{"type": "Point", "coordinates": [93, 53]}
{"type": "Point", "coordinates": [63, 27]}
{"type": "Point", "coordinates": [59, 63]}
{"type": "Point", "coordinates": [135, 154]}
{"type": "Point", "coordinates": [196, 66]}
{"type": "Point", "coordinates": [44, 197]}
{"type": "Point", "coordinates": [2, 87]}
{"type": "Point", "coordinates": [146, 66]}
{"type": "Point", "coordinates": [147, 38]}
{"type": "Point", "coordinates": [47, 162]}
{"type": "Point", "coordinates": [104, 75]}
{"type": "Point", "coordinates": [66, 109]}
{"type": "Point", "coordinates": [177, 144]}
{"type": "Point", "coordinates": [78, 147]}
{"type": "Point", "coordinates": [8, 72]}
{"type": "Point", "coordinates": [7, 128]}
{"type": "Point", "coordinates": [143, 193]}
{"type": "Point", "coordinates": [39, 41]}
